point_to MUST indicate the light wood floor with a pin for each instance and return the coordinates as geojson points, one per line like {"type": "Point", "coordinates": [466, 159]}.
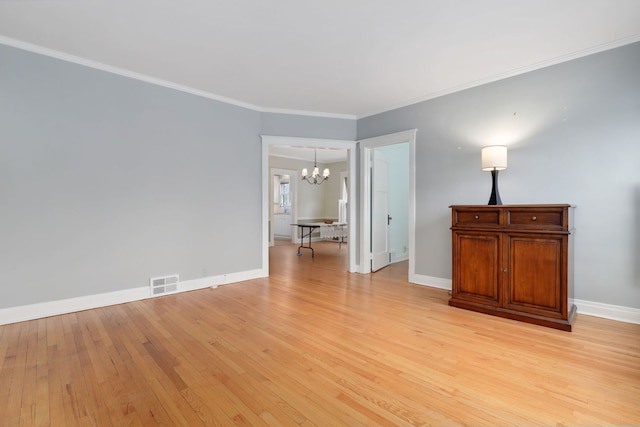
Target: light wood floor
{"type": "Point", "coordinates": [315, 346]}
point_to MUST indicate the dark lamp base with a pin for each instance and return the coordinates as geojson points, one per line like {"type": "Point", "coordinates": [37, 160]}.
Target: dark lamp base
{"type": "Point", "coordinates": [495, 194]}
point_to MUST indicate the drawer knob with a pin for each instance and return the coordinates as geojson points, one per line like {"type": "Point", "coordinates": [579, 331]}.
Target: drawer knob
{"type": "Point", "coordinates": [476, 217]}
{"type": "Point", "coordinates": [533, 218]}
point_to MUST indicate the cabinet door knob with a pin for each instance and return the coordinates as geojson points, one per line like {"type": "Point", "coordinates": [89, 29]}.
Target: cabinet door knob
{"type": "Point", "coordinates": [533, 218]}
{"type": "Point", "coordinates": [476, 217]}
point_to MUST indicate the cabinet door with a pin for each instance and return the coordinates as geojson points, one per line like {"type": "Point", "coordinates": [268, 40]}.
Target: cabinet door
{"type": "Point", "coordinates": [536, 284]}
{"type": "Point", "coordinates": [476, 267]}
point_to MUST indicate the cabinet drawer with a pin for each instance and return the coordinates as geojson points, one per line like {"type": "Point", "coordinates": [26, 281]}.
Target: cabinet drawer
{"type": "Point", "coordinates": [480, 217]}
{"type": "Point", "coordinates": [542, 219]}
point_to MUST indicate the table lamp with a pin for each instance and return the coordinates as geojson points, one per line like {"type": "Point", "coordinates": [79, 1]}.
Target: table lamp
{"type": "Point", "coordinates": [494, 159]}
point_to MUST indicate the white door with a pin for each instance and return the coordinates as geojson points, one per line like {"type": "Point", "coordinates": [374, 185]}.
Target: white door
{"type": "Point", "coordinates": [380, 218]}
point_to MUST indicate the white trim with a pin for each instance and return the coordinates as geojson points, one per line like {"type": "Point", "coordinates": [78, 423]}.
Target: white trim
{"type": "Point", "coordinates": [516, 72]}
{"type": "Point", "coordinates": [41, 50]}
{"type": "Point", "coordinates": [588, 308]}
{"type": "Point", "coordinates": [608, 311]}
{"type": "Point", "coordinates": [143, 77]}
{"type": "Point", "coordinates": [398, 256]}
{"type": "Point", "coordinates": [366, 145]}
{"type": "Point", "coordinates": [70, 305]}
{"type": "Point", "coordinates": [270, 140]}
{"type": "Point", "coordinates": [201, 283]}
{"type": "Point", "coordinates": [122, 72]}
{"type": "Point", "coordinates": [433, 282]}
{"type": "Point", "coordinates": [240, 276]}
{"type": "Point", "coordinates": [53, 308]}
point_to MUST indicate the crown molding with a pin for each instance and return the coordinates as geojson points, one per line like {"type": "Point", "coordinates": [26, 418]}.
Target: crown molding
{"type": "Point", "coordinates": [122, 72]}
{"type": "Point", "coordinates": [159, 82]}
{"type": "Point", "coordinates": [183, 88]}
{"type": "Point", "coordinates": [515, 72]}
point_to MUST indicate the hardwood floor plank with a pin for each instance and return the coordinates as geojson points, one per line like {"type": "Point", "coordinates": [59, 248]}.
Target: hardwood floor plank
{"type": "Point", "coordinates": [313, 345]}
{"type": "Point", "coordinates": [17, 377]}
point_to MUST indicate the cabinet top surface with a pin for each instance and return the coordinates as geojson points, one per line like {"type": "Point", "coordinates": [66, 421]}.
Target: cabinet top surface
{"type": "Point", "coordinates": [511, 206]}
{"type": "Point", "coordinates": [538, 218]}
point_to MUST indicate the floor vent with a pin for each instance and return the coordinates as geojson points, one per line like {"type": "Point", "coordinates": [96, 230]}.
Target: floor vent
{"type": "Point", "coordinates": [164, 285]}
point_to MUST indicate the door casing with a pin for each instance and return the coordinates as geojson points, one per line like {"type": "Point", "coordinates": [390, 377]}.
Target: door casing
{"type": "Point", "coordinates": [365, 148]}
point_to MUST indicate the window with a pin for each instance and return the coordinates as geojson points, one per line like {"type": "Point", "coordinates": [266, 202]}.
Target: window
{"type": "Point", "coordinates": [285, 195]}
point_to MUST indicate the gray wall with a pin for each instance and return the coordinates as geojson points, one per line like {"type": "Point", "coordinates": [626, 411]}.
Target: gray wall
{"type": "Point", "coordinates": [106, 181]}
{"type": "Point", "coordinates": [573, 132]}
{"type": "Point", "coordinates": [308, 126]}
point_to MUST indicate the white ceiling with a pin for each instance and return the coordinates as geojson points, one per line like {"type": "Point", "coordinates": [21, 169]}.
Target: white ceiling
{"type": "Point", "coordinates": [344, 57]}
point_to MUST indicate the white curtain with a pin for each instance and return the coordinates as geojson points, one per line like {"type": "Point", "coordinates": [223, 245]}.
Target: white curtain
{"type": "Point", "coordinates": [342, 211]}
{"type": "Point", "coordinates": [333, 231]}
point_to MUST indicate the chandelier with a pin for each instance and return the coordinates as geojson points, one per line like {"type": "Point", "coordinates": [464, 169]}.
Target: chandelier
{"type": "Point", "coordinates": [315, 177]}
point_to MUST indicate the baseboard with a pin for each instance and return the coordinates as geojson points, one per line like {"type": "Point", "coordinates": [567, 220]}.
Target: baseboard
{"type": "Point", "coordinates": [54, 308]}
{"type": "Point", "coordinates": [64, 306]}
{"type": "Point", "coordinates": [201, 283]}
{"type": "Point", "coordinates": [434, 282]}
{"type": "Point", "coordinates": [399, 256]}
{"type": "Point", "coordinates": [241, 276]}
{"type": "Point", "coordinates": [608, 311]}
{"type": "Point", "coordinates": [589, 308]}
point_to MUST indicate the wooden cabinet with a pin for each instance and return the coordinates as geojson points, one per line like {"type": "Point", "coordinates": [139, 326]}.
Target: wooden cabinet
{"type": "Point", "coordinates": [514, 261]}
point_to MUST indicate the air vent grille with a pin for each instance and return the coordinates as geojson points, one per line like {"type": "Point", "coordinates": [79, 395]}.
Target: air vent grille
{"type": "Point", "coordinates": [164, 285]}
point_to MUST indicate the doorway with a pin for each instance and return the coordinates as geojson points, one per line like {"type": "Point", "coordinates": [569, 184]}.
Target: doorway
{"type": "Point", "coordinates": [378, 157]}
{"type": "Point", "coordinates": [268, 142]}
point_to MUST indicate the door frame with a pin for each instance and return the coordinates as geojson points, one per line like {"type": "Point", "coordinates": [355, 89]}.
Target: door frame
{"type": "Point", "coordinates": [294, 205]}
{"type": "Point", "coordinates": [350, 146]}
{"type": "Point", "coordinates": [366, 146]}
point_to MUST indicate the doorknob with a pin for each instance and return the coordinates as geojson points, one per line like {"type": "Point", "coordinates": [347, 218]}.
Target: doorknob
{"type": "Point", "coordinates": [389, 219]}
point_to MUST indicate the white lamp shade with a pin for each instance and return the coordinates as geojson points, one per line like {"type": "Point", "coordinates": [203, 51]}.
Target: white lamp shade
{"type": "Point", "coordinates": [325, 173]}
{"type": "Point", "coordinates": [316, 172]}
{"type": "Point", "coordinates": [305, 172]}
{"type": "Point", "coordinates": [494, 157]}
